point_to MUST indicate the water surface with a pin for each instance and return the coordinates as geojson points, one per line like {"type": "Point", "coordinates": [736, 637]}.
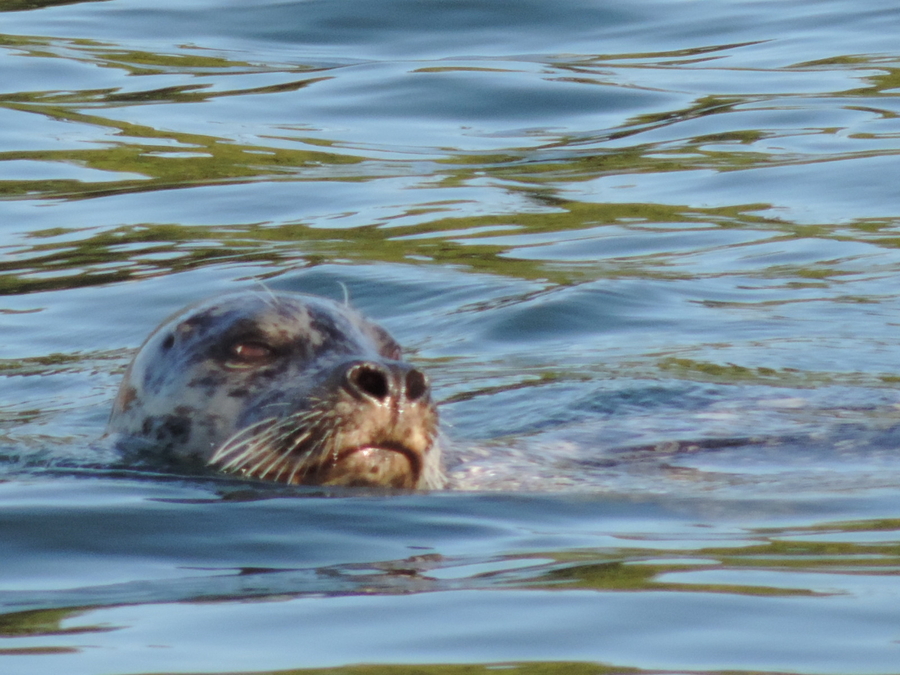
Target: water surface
{"type": "Point", "coordinates": [648, 253]}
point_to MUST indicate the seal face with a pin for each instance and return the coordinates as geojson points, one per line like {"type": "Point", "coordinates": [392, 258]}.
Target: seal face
{"type": "Point", "coordinates": [284, 387]}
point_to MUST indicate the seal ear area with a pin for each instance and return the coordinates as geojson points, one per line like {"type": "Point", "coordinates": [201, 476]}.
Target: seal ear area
{"type": "Point", "coordinates": [388, 347]}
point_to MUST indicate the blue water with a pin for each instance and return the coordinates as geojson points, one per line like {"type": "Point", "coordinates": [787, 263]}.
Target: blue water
{"type": "Point", "coordinates": [649, 254]}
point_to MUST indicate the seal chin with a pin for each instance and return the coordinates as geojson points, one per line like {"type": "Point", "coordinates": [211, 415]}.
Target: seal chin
{"type": "Point", "coordinates": [374, 466]}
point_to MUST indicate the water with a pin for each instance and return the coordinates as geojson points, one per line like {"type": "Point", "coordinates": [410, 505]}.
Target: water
{"type": "Point", "coordinates": [648, 253]}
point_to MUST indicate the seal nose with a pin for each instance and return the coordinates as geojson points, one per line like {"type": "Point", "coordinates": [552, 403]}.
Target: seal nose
{"type": "Point", "coordinates": [383, 381]}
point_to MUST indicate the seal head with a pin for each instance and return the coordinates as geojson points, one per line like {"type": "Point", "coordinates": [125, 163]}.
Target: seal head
{"type": "Point", "coordinates": [285, 387]}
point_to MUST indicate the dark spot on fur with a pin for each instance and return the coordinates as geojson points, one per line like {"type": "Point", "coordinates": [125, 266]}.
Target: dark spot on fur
{"type": "Point", "coordinates": [168, 343]}
{"type": "Point", "coordinates": [239, 392]}
{"type": "Point", "coordinates": [209, 380]}
{"type": "Point", "coordinates": [175, 428]}
{"type": "Point", "coordinates": [167, 428]}
{"type": "Point", "coordinates": [197, 321]}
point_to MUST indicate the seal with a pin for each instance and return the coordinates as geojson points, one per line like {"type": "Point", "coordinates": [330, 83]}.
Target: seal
{"type": "Point", "coordinates": [285, 387]}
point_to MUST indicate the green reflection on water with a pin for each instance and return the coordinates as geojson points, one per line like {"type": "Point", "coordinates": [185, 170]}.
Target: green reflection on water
{"type": "Point", "coordinates": [150, 249]}
{"type": "Point", "coordinates": [621, 576]}
{"type": "Point", "coordinates": [170, 159]}
{"type": "Point", "coordinates": [190, 161]}
{"type": "Point", "coordinates": [44, 622]}
{"type": "Point", "coordinates": [23, 5]}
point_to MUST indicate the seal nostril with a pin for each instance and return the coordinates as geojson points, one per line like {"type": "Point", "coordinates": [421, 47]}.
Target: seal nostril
{"type": "Point", "coordinates": [370, 381]}
{"type": "Point", "coordinates": [416, 385]}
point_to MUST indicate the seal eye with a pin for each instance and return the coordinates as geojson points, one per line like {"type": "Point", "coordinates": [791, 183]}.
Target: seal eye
{"type": "Point", "coordinates": [249, 353]}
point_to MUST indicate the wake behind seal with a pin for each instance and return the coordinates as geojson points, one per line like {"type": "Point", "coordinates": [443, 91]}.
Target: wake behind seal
{"type": "Point", "coordinates": [285, 387]}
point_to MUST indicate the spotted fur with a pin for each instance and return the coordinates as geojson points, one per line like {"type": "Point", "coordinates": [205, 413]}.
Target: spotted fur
{"type": "Point", "coordinates": [283, 387]}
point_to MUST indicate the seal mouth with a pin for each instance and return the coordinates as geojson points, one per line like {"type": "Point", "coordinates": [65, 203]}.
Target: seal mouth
{"type": "Point", "coordinates": [373, 465]}
{"type": "Point", "coordinates": [289, 451]}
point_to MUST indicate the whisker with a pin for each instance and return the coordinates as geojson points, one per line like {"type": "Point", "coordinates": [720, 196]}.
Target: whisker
{"type": "Point", "coordinates": [253, 448]}
{"type": "Point", "coordinates": [264, 449]}
{"type": "Point", "coordinates": [237, 441]}
{"type": "Point", "coordinates": [284, 456]}
{"type": "Point", "coordinates": [269, 298]}
{"type": "Point", "coordinates": [304, 466]}
{"type": "Point", "coordinates": [271, 465]}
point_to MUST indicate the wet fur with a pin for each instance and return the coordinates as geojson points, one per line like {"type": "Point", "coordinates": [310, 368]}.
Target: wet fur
{"type": "Point", "coordinates": [291, 420]}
